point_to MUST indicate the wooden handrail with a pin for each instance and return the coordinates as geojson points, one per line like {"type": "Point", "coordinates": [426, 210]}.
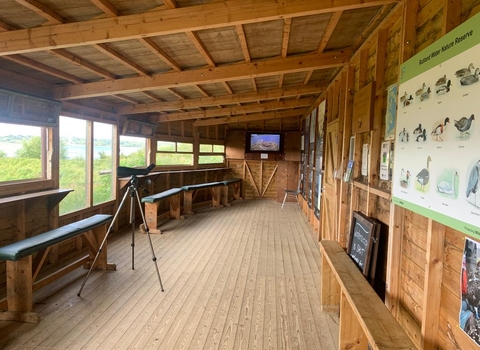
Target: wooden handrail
{"type": "Point", "coordinates": [364, 318]}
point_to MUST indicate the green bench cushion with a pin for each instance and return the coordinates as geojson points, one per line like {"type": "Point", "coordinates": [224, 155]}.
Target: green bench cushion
{"type": "Point", "coordinates": [201, 186]}
{"type": "Point", "coordinates": [28, 246]}
{"type": "Point", "coordinates": [230, 181]}
{"type": "Point", "coordinates": [162, 195]}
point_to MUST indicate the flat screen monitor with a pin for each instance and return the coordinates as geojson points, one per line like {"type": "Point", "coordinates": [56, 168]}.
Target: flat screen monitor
{"type": "Point", "coordinates": [264, 142]}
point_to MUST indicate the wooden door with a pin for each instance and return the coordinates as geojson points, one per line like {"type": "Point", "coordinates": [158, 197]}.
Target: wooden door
{"type": "Point", "coordinates": [330, 183]}
{"type": "Point", "coordinates": [287, 178]}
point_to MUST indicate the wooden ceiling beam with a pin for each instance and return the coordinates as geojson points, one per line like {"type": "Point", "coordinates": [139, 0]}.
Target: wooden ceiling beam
{"type": "Point", "coordinates": [287, 26]}
{"type": "Point", "coordinates": [126, 98]}
{"type": "Point", "coordinates": [27, 62]}
{"type": "Point", "coordinates": [120, 58]}
{"type": "Point", "coordinates": [222, 100]}
{"type": "Point", "coordinates": [106, 7]}
{"type": "Point", "coordinates": [177, 94]}
{"type": "Point", "coordinates": [243, 43]}
{"type": "Point", "coordinates": [172, 21]}
{"type": "Point", "coordinates": [42, 10]}
{"type": "Point", "coordinates": [332, 24]}
{"type": "Point", "coordinates": [152, 96]}
{"type": "Point", "coordinates": [82, 63]}
{"type": "Point", "coordinates": [170, 4]}
{"type": "Point", "coordinates": [201, 48]}
{"type": "Point", "coordinates": [194, 38]}
{"type": "Point", "coordinates": [202, 91]}
{"type": "Point", "coordinates": [4, 27]}
{"type": "Point", "coordinates": [157, 51]}
{"type": "Point", "coordinates": [254, 108]}
{"type": "Point", "coordinates": [252, 117]}
{"type": "Point", "coordinates": [206, 75]}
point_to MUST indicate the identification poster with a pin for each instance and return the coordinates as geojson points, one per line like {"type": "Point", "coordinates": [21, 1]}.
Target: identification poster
{"type": "Point", "coordinates": [437, 140]}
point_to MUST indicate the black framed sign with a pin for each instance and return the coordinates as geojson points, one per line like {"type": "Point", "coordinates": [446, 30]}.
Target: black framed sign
{"type": "Point", "coordinates": [363, 247]}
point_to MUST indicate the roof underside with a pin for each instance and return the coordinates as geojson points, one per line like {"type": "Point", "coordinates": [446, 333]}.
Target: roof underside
{"type": "Point", "coordinates": [186, 59]}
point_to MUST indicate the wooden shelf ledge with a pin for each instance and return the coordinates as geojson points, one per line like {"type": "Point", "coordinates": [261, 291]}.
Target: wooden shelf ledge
{"type": "Point", "coordinates": [364, 319]}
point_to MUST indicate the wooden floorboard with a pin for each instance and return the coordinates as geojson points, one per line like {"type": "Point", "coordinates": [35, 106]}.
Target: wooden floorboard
{"type": "Point", "coordinates": [245, 276]}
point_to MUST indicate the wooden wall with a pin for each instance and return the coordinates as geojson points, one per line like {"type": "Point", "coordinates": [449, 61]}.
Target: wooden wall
{"type": "Point", "coordinates": [260, 177]}
{"type": "Point", "coordinates": [423, 258]}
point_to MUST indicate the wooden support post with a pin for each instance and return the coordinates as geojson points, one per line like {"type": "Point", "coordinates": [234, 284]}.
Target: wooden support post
{"type": "Point", "coordinates": [175, 206]}
{"type": "Point", "coordinates": [330, 293]}
{"type": "Point", "coordinates": [351, 335]}
{"type": "Point", "coordinates": [151, 210]}
{"type": "Point", "coordinates": [215, 192]}
{"type": "Point", "coordinates": [224, 196]}
{"type": "Point", "coordinates": [237, 190]}
{"type": "Point", "coordinates": [188, 202]}
{"type": "Point", "coordinates": [20, 292]}
{"type": "Point", "coordinates": [432, 293]}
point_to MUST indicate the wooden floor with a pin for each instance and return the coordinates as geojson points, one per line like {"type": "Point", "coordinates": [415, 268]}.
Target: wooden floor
{"type": "Point", "coordinates": [240, 277]}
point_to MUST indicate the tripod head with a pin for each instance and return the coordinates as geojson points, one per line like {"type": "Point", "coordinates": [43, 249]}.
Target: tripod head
{"type": "Point", "coordinates": [123, 171]}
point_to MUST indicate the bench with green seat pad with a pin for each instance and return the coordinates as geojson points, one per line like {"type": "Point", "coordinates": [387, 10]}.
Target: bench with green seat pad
{"type": "Point", "coordinates": [22, 269]}
{"type": "Point", "coordinates": [236, 190]}
{"type": "Point", "coordinates": [189, 190]}
{"type": "Point", "coordinates": [152, 204]}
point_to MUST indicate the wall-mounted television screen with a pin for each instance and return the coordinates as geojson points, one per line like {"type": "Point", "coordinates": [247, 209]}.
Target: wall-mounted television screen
{"type": "Point", "coordinates": [264, 142]}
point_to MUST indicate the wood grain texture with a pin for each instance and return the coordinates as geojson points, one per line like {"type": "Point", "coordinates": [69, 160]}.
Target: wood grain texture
{"type": "Point", "coordinates": [245, 277]}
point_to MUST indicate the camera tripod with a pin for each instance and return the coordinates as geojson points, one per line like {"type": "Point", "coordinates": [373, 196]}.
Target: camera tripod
{"type": "Point", "coordinates": [133, 191]}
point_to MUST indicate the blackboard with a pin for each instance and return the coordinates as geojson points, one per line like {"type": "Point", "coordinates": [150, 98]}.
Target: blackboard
{"type": "Point", "coordinates": [362, 246]}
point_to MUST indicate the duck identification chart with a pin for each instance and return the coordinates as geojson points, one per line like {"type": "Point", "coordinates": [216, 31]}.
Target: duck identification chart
{"type": "Point", "coordinates": [437, 141]}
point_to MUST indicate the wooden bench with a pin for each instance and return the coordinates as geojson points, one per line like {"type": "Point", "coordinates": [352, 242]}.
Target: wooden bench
{"type": "Point", "coordinates": [236, 190]}
{"type": "Point", "coordinates": [152, 203]}
{"type": "Point", "coordinates": [22, 270]}
{"type": "Point", "coordinates": [364, 319]}
{"type": "Point", "coordinates": [189, 191]}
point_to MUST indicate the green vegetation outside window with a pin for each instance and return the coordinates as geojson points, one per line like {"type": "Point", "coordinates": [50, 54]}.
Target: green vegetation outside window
{"type": "Point", "coordinates": [132, 151]}
{"type": "Point", "coordinates": [174, 153]}
{"type": "Point", "coordinates": [211, 154]}
{"type": "Point", "coordinates": [86, 145]}
{"type": "Point", "coordinates": [21, 156]}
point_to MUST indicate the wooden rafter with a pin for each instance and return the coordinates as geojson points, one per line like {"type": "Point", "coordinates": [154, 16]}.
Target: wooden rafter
{"type": "Point", "coordinates": [170, 4]}
{"type": "Point", "coordinates": [287, 26]}
{"type": "Point", "coordinates": [227, 87]}
{"type": "Point", "coordinates": [202, 91]}
{"type": "Point", "coordinates": [254, 84]}
{"type": "Point", "coordinates": [307, 77]}
{"type": "Point", "coordinates": [194, 38]}
{"type": "Point", "coordinates": [332, 24]}
{"type": "Point", "coordinates": [27, 62]}
{"type": "Point", "coordinates": [252, 117]}
{"type": "Point", "coordinates": [206, 75]}
{"type": "Point", "coordinates": [4, 27]}
{"type": "Point", "coordinates": [126, 98]}
{"type": "Point", "coordinates": [243, 43]}
{"type": "Point", "coordinates": [42, 10]}
{"type": "Point", "coordinates": [155, 49]}
{"type": "Point", "coordinates": [201, 48]}
{"type": "Point", "coordinates": [178, 20]}
{"type": "Point", "coordinates": [106, 7]}
{"type": "Point", "coordinates": [254, 108]}
{"type": "Point", "coordinates": [177, 94]}
{"type": "Point", "coordinates": [222, 100]}
{"type": "Point", "coordinates": [377, 19]}
{"type": "Point", "coordinates": [120, 58]}
{"type": "Point", "coordinates": [152, 96]}
{"type": "Point", "coordinates": [82, 63]}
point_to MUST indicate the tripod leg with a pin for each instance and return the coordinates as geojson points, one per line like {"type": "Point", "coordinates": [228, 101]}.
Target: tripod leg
{"type": "Point", "coordinates": [132, 221]}
{"type": "Point", "coordinates": [154, 258]}
{"type": "Point", "coordinates": [110, 228]}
